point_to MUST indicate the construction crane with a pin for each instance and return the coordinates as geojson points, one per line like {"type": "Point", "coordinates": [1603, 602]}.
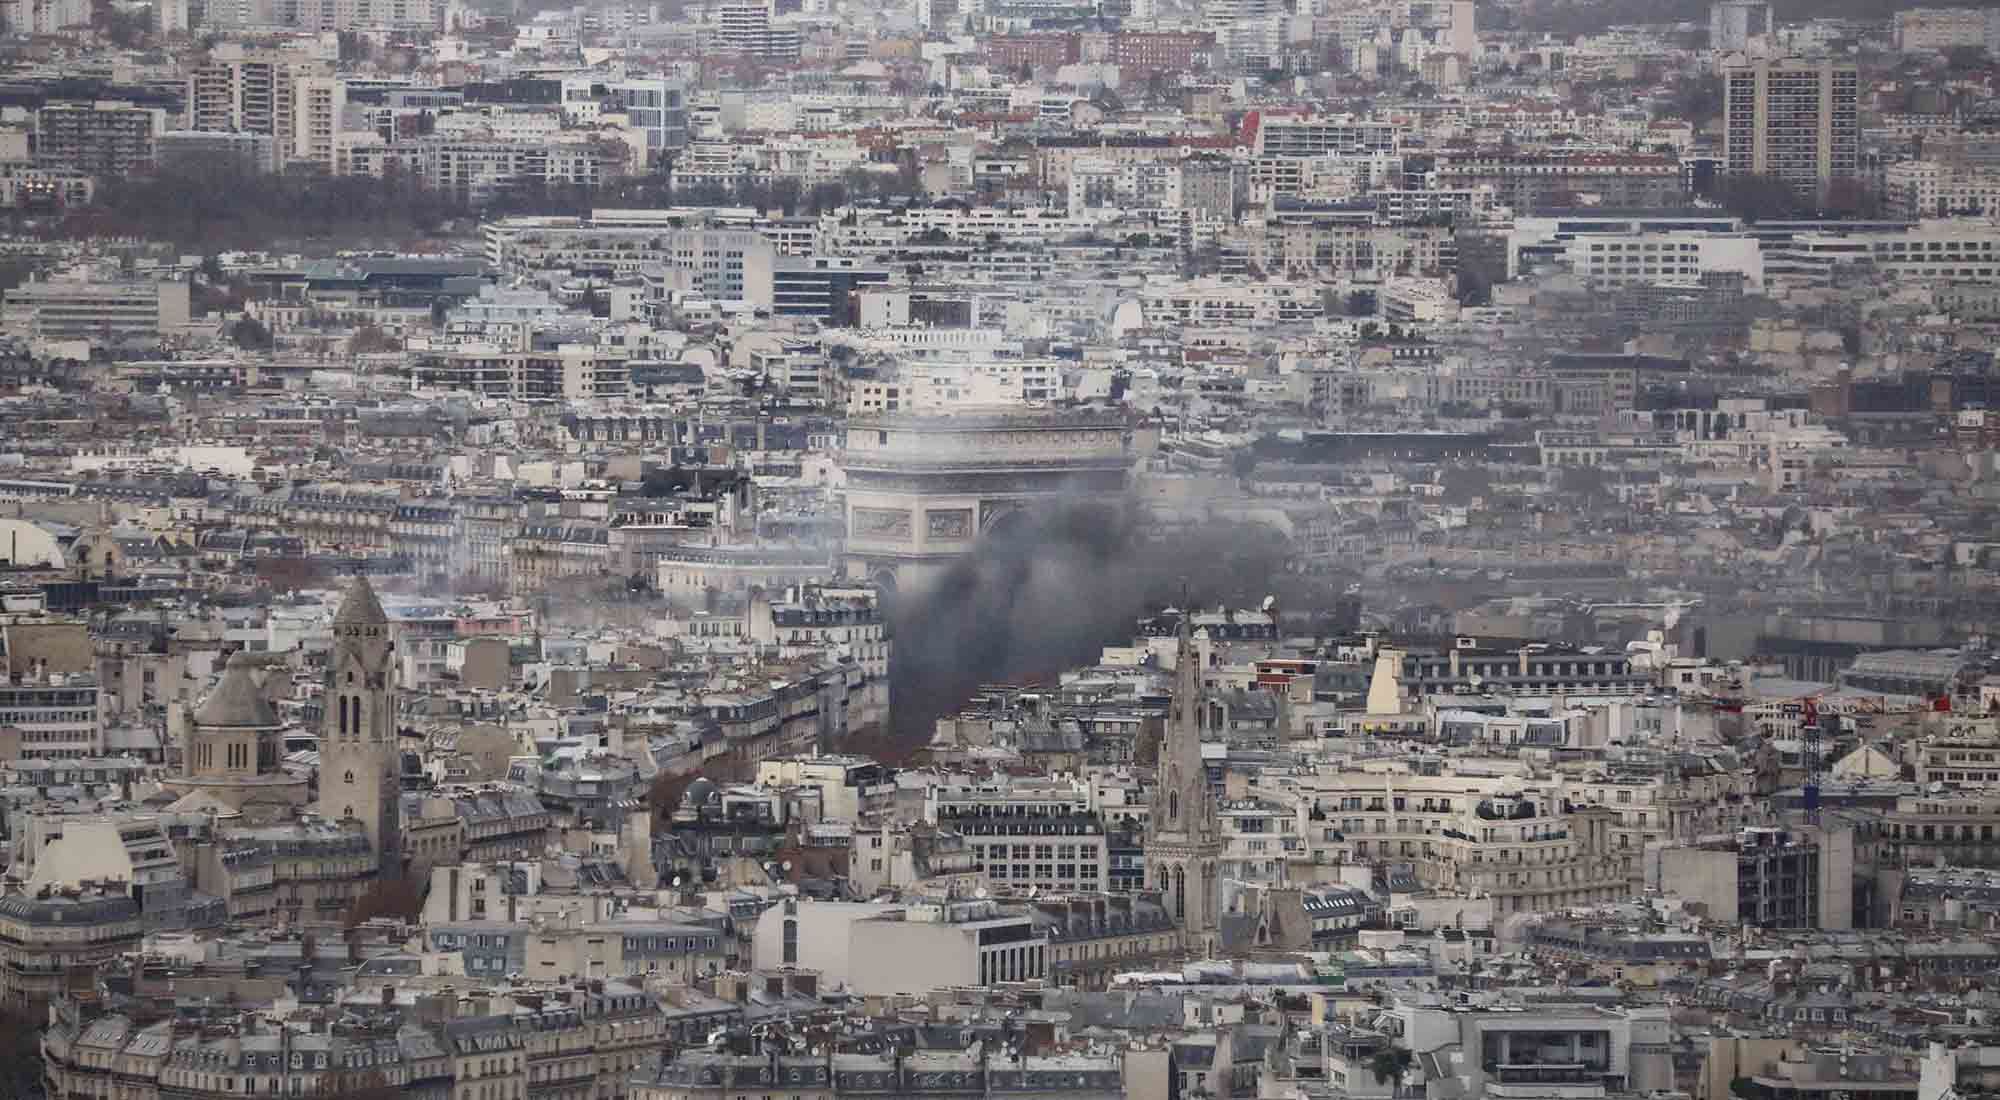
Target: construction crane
{"type": "Point", "coordinates": [1809, 753]}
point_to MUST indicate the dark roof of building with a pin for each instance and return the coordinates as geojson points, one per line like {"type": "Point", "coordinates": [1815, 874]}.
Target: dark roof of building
{"type": "Point", "coordinates": [59, 908]}
{"type": "Point", "coordinates": [236, 702]}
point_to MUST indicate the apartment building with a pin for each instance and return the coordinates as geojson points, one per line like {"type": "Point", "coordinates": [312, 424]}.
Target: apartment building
{"type": "Point", "coordinates": [1955, 827]}
{"type": "Point", "coordinates": [477, 170]}
{"type": "Point", "coordinates": [1791, 118]}
{"type": "Point", "coordinates": [1339, 241]}
{"type": "Point", "coordinates": [1282, 135]}
{"type": "Point", "coordinates": [104, 138]}
{"type": "Point", "coordinates": [1041, 835]}
{"type": "Point", "coordinates": [1768, 877]}
{"type": "Point", "coordinates": [53, 940]}
{"type": "Point", "coordinates": [844, 782]}
{"type": "Point", "coordinates": [1921, 29]}
{"type": "Point", "coordinates": [1958, 250]}
{"type": "Point", "coordinates": [71, 851]}
{"type": "Point", "coordinates": [77, 308]}
{"type": "Point", "coordinates": [247, 152]}
{"type": "Point", "coordinates": [1209, 302]}
{"type": "Point", "coordinates": [1934, 189]}
{"type": "Point", "coordinates": [751, 30]}
{"type": "Point", "coordinates": [42, 17]}
{"type": "Point", "coordinates": [317, 105]}
{"type": "Point", "coordinates": [565, 372]}
{"type": "Point", "coordinates": [1965, 756]}
{"type": "Point", "coordinates": [26, 186]}
{"type": "Point", "coordinates": [570, 1040]}
{"type": "Point", "coordinates": [52, 717]}
{"type": "Point", "coordinates": [1610, 261]}
{"type": "Point", "coordinates": [354, 15]}
{"type": "Point", "coordinates": [721, 264]}
{"type": "Point", "coordinates": [1516, 839]}
{"type": "Point", "coordinates": [240, 90]}
{"type": "Point", "coordinates": [1531, 181]}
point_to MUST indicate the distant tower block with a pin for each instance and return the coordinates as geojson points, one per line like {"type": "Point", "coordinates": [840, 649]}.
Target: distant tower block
{"type": "Point", "coordinates": [922, 489]}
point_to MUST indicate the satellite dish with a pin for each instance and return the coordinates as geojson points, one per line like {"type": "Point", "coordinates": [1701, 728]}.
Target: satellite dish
{"type": "Point", "coordinates": [787, 865]}
{"type": "Point", "coordinates": [980, 893]}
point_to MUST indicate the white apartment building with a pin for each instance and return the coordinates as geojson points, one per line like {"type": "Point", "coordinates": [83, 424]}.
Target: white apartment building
{"type": "Point", "coordinates": [1960, 249]}
{"type": "Point", "coordinates": [1516, 838]}
{"type": "Point", "coordinates": [982, 223]}
{"type": "Point", "coordinates": [1260, 837]}
{"type": "Point", "coordinates": [1040, 834]}
{"type": "Point", "coordinates": [1209, 302]}
{"type": "Point", "coordinates": [1311, 136]}
{"type": "Point", "coordinates": [1646, 259]}
{"type": "Point", "coordinates": [944, 387]}
{"type": "Point", "coordinates": [1104, 187]}
{"type": "Point", "coordinates": [1931, 189]}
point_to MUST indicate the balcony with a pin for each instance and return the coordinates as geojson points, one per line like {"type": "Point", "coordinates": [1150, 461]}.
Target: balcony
{"type": "Point", "coordinates": [1546, 1073]}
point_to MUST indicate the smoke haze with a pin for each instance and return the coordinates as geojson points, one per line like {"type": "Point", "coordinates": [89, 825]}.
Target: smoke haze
{"type": "Point", "coordinates": [1048, 592]}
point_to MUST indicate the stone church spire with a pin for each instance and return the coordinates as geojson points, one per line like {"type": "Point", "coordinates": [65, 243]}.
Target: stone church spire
{"type": "Point", "coordinates": [1183, 833]}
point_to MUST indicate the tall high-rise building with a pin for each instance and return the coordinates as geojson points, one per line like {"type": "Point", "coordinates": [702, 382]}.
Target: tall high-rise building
{"type": "Point", "coordinates": [750, 29]}
{"type": "Point", "coordinates": [244, 91]}
{"type": "Point", "coordinates": [360, 770]}
{"type": "Point", "coordinates": [1183, 847]}
{"type": "Point", "coordinates": [1791, 118]}
{"type": "Point", "coordinates": [104, 138]}
{"type": "Point", "coordinates": [317, 105]}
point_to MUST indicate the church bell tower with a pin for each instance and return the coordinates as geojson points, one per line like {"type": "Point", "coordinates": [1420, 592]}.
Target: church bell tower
{"type": "Point", "coordinates": [360, 773]}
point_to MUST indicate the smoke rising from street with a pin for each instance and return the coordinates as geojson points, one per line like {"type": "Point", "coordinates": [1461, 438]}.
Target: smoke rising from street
{"type": "Point", "coordinates": [1049, 591]}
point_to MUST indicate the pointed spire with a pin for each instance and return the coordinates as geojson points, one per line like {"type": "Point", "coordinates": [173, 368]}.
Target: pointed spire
{"type": "Point", "coordinates": [360, 607]}
{"type": "Point", "coordinates": [1187, 672]}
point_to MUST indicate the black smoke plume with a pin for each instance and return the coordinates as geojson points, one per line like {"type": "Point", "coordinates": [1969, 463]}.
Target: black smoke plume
{"type": "Point", "coordinates": [1048, 590]}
